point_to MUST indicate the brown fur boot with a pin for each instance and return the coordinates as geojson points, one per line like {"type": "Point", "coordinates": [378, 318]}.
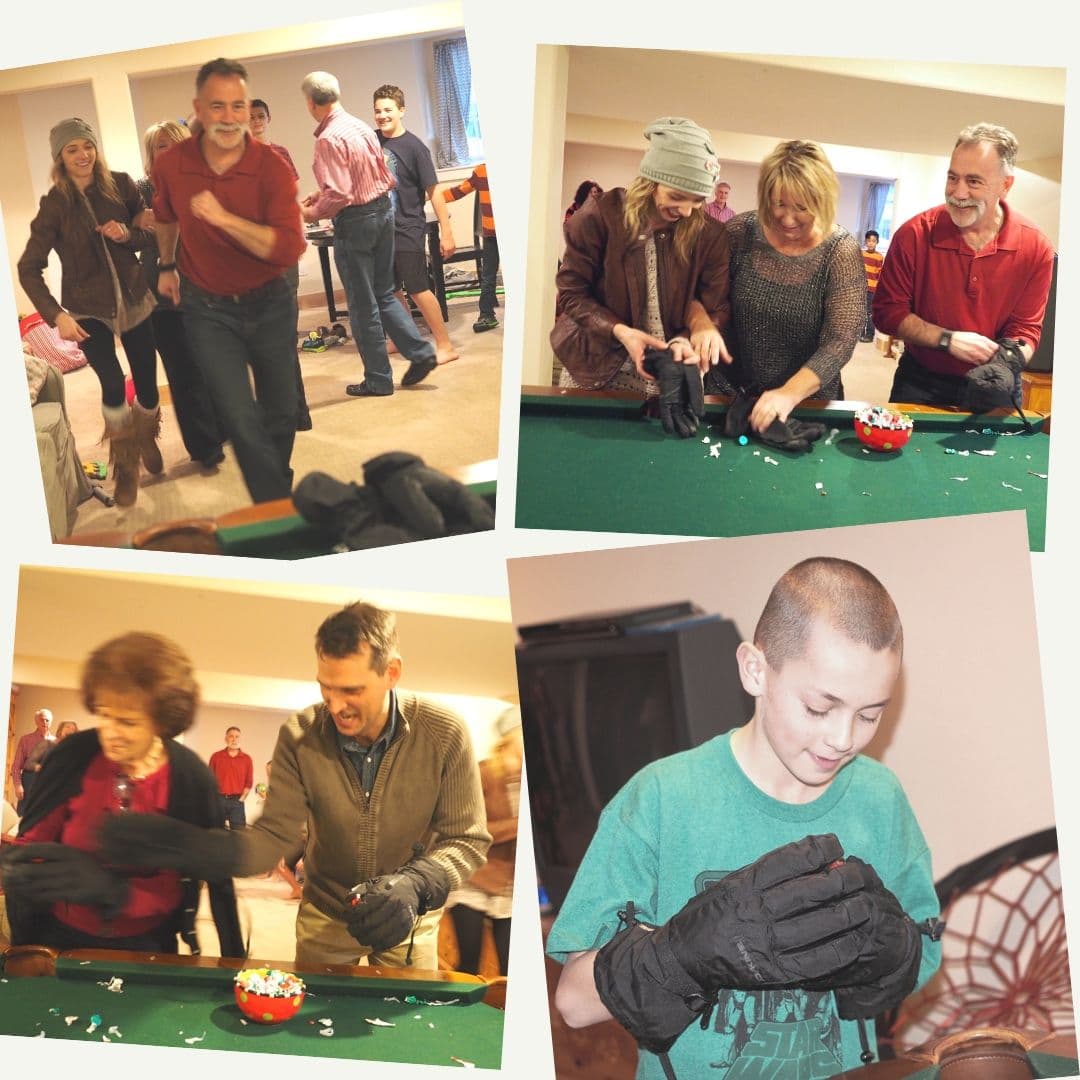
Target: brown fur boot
{"type": "Point", "coordinates": [147, 430]}
{"type": "Point", "coordinates": [123, 456]}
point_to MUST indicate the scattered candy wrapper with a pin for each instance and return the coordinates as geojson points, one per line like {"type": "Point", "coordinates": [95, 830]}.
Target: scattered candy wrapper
{"type": "Point", "coordinates": [398, 1000]}
{"type": "Point", "coordinates": [714, 450]}
{"type": "Point", "coordinates": [986, 453]}
{"type": "Point", "coordinates": [1011, 487]}
{"type": "Point", "coordinates": [40, 1035]}
{"type": "Point", "coordinates": [771, 461]}
{"type": "Point", "coordinates": [114, 984]}
{"type": "Point", "coordinates": [194, 1039]}
{"type": "Point", "coordinates": [1040, 475]}
{"type": "Point", "coordinates": [706, 440]}
{"type": "Point", "coordinates": [832, 435]}
{"type": "Point", "coordinates": [378, 1023]}
{"type": "Point", "coordinates": [92, 1028]}
{"type": "Point", "coordinates": [962, 479]}
{"type": "Point", "coordinates": [69, 1020]}
{"type": "Point", "coordinates": [432, 1026]}
{"type": "Point", "coordinates": [54, 1011]}
{"type": "Point", "coordinates": [464, 1063]}
{"type": "Point", "coordinates": [326, 1021]}
{"type": "Point", "coordinates": [452, 1001]}
{"type": "Point", "coordinates": [327, 1031]}
{"type": "Point", "coordinates": [115, 1032]}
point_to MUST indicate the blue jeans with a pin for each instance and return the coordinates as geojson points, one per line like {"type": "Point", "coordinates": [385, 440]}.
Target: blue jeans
{"type": "Point", "coordinates": [228, 335]}
{"type": "Point", "coordinates": [235, 817]}
{"type": "Point", "coordinates": [489, 268]}
{"type": "Point", "coordinates": [364, 256]}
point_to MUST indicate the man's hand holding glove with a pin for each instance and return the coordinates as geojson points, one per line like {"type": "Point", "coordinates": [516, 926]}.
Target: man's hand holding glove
{"type": "Point", "coordinates": [383, 911]}
{"type": "Point", "coordinates": [995, 384]}
{"type": "Point", "coordinates": [47, 873]}
{"type": "Point", "coordinates": [791, 434]}
{"type": "Point", "coordinates": [157, 842]}
{"type": "Point", "coordinates": [682, 395]}
{"type": "Point", "coordinates": [796, 916]}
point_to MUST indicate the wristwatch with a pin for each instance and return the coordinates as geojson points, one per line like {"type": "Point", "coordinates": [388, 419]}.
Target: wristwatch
{"type": "Point", "coordinates": [163, 267]}
{"type": "Point", "coordinates": [945, 340]}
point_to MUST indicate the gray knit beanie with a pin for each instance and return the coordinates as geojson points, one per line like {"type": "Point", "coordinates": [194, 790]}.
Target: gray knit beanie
{"type": "Point", "coordinates": [681, 156]}
{"type": "Point", "coordinates": [68, 130]}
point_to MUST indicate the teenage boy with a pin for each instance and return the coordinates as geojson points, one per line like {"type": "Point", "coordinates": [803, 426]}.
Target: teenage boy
{"type": "Point", "coordinates": [416, 182]}
{"type": "Point", "coordinates": [873, 261]}
{"type": "Point", "coordinates": [763, 970]}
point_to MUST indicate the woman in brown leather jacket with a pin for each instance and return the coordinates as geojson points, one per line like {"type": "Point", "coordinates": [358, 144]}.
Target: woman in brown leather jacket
{"type": "Point", "coordinates": [87, 218]}
{"type": "Point", "coordinates": [645, 268]}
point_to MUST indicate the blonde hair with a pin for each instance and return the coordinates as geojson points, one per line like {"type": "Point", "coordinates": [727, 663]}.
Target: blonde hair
{"type": "Point", "coordinates": [638, 206]}
{"type": "Point", "coordinates": [802, 170]}
{"type": "Point", "coordinates": [103, 179]}
{"type": "Point", "coordinates": [176, 132]}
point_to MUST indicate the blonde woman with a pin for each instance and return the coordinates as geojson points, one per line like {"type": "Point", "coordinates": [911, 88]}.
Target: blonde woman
{"type": "Point", "coordinates": [195, 416]}
{"type": "Point", "coordinates": [645, 269]}
{"type": "Point", "coordinates": [797, 289]}
{"type": "Point", "coordinates": [87, 217]}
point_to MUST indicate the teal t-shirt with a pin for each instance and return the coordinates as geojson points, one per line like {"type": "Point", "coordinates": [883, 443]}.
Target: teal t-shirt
{"type": "Point", "coordinates": [687, 820]}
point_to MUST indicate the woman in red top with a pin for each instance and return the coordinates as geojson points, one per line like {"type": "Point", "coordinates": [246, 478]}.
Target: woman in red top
{"type": "Point", "coordinates": [142, 691]}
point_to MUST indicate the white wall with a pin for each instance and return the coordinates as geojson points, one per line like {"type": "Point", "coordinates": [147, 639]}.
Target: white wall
{"type": "Point", "coordinates": [966, 733]}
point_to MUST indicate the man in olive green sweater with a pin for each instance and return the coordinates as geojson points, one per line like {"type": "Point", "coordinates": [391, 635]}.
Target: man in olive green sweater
{"type": "Point", "coordinates": [389, 789]}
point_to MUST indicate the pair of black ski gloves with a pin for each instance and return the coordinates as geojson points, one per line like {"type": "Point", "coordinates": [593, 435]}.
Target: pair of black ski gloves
{"type": "Point", "coordinates": [402, 499]}
{"type": "Point", "coordinates": [995, 384]}
{"type": "Point", "coordinates": [682, 407]}
{"type": "Point", "coordinates": [381, 913]}
{"type": "Point", "coordinates": [801, 916]}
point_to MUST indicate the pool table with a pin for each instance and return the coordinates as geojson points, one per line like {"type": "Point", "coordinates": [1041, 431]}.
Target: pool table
{"type": "Point", "coordinates": [592, 461]}
{"type": "Point", "coordinates": [270, 530]}
{"type": "Point", "coordinates": [169, 1000]}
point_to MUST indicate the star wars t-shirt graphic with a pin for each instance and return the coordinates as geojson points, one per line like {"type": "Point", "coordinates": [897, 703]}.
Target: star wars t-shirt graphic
{"type": "Point", "coordinates": [773, 1034]}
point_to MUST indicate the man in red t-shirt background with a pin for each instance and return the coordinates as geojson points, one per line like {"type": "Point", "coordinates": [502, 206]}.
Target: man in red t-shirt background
{"type": "Point", "coordinates": [234, 772]}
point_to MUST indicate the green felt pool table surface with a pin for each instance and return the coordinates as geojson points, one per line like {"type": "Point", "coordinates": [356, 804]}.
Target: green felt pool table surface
{"type": "Point", "coordinates": [173, 999]}
{"type": "Point", "coordinates": [589, 462]}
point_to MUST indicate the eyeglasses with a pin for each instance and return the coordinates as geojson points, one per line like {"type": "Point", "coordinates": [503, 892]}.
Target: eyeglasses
{"type": "Point", "coordinates": [123, 789]}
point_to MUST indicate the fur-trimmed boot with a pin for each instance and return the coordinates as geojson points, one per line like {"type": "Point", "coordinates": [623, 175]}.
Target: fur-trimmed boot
{"type": "Point", "coordinates": [147, 431]}
{"type": "Point", "coordinates": [123, 453]}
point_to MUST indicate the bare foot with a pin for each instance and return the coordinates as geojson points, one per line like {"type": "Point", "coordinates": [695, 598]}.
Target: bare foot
{"type": "Point", "coordinates": [446, 354]}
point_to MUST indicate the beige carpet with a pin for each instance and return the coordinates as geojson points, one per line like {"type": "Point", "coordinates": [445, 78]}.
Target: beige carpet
{"type": "Point", "coordinates": [451, 419]}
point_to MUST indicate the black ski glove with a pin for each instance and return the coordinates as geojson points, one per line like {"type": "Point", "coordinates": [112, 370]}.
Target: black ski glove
{"type": "Point", "coordinates": [795, 916]}
{"type": "Point", "coordinates": [792, 434]}
{"type": "Point", "coordinates": [47, 873]}
{"type": "Point", "coordinates": [382, 911]}
{"type": "Point", "coordinates": [157, 842]}
{"type": "Point", "coordinates": [994, 385]}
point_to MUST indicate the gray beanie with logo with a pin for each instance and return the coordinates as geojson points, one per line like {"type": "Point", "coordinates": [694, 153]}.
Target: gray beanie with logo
{"type": "Point", "coordinates": [67, 131]}
{"type": "Point", "coordinates": [681, 156]}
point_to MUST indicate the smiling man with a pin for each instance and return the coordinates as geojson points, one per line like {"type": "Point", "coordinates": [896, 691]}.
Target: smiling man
{"type": "Point", "coordinates": [964, 285]}
{"type": "Point", "coordinates": [389, 789]}
{"type": "Point", "coordinates": [233, 201]}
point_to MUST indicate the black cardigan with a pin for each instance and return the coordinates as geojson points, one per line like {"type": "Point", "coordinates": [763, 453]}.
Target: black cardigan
{"type": "Point", "coordinates": [193, 797]}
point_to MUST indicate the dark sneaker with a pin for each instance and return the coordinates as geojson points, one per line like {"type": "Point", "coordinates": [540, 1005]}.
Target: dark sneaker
{"type": "Point", "coordinates": [361, 389]}
{"type": "Point", "coordinates": [485, 322]}
{"type": "Point", "coordinates": [418, 371]}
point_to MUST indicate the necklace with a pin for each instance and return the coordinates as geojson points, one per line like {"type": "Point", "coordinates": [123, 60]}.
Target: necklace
{"type": "Point", "coordinates": [150, 762]}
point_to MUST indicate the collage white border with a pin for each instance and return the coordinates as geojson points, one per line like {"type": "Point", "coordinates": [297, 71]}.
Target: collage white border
{"type": "Point", "coordinates": [502, 36]}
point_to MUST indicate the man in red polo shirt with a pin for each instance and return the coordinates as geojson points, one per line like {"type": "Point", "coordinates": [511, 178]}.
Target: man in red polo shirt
{"type": "Point", "coordinates": [965, 284]}
{"type": "Point", "coordinates": [234, 772]}
{"type": "Point", "coordinates": [233, 200]}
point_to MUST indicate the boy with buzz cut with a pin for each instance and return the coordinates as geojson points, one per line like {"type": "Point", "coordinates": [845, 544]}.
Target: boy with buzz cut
{"type": "Point", "coordinates": [873, 261]}
{"type": "Point", "coordinates": [414, 170]}
{"type": "Point", "coordinates": [748, 906]}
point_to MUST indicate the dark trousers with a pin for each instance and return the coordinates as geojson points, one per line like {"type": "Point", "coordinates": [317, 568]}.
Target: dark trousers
{"type": "Point", "coordinates": [230, 338]}
{"type": "Point", "coordinates": [915, 385]}
{"type": "Point", "coordinates": [233, 807]}
{"type": "Point", "coordinates": [868, 325]}
{"type": "Point", "coordinates": [469, 928]}
{"type": "Point", "coordinates": [292, 276]}
{"type": "Point", "coordinates": [141, 352]}
{"type": "Point", "coordinates": [489, 269]}
{"type": "Point", "coordinates": [199, 427]}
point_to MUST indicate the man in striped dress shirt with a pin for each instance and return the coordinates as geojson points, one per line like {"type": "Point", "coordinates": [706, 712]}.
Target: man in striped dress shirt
{"type": "Point", "coordinates": [354, 190]}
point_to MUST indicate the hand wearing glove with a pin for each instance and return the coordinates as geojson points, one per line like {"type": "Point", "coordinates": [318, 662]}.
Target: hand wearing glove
{"type": "Point", "coordinates": [157, 842]}
{"type": "Point", "coordinates": [424, 501]}
{"type": "Point", "coordinates": [795, 916]}
{"type": "Point", "coordinates": [682, 395]}
{"type": "Point", "coordinates": [737, 417]}
{"type": "Point", "coordinates": [995, 384]}
{"type": "Point", "coordinates": [383, 911]}
{"type": "Point", "coordinates": [49, 873]}
{"type": "Point", "coordinates": [888, 964]}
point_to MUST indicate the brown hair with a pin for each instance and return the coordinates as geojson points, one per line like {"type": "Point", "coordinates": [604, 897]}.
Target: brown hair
{"type": "Point", "coordinates": [638, 208]}
{"type": "Point", "coordinates": [152, 666]}
{"type": "Point", "coordinates": [801, 169]}
{"type": "Point", "coordinates": [843, 593]}
{"type": "Point", "coordinates": [344, 632]}
{"type": "Point", "coordinates": [394, 93]}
